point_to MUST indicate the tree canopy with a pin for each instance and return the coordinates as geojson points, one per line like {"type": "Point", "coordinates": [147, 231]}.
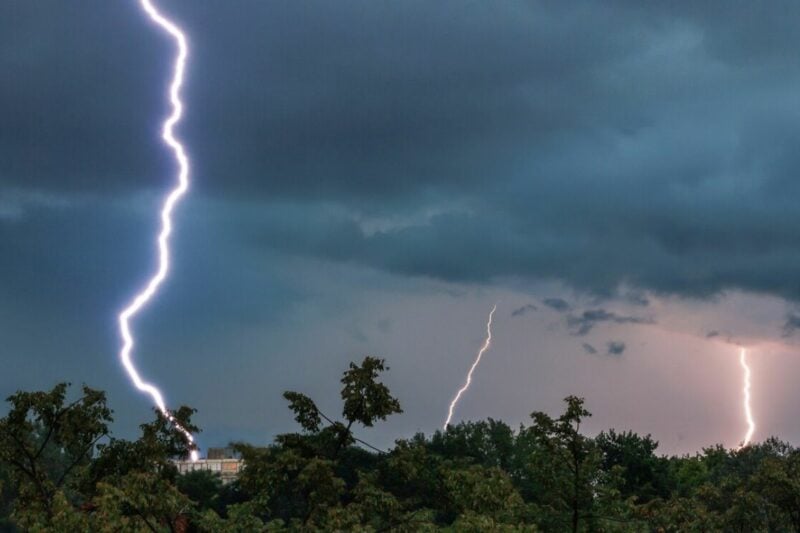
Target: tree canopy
{"type": "Point", "coordinates": [62, 470]}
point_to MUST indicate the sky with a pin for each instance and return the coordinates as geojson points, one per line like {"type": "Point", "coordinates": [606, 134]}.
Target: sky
{"type": "Point", "coordinates": [370, 178]}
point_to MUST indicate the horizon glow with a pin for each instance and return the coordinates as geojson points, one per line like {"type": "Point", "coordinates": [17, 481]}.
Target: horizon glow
{"type": "Point", "coordinates": [149, 290]}
{"type": "Point", "coordinates": [472, 369]}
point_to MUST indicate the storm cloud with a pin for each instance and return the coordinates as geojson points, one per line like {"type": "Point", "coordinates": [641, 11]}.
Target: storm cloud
{"type": "Point", "coordinates": [586, 321]}
{"type": "Point", "coordinates": [468, 145]}
{"type": "Point", "coordinates": [791, 325]}
{"type": "Point", "coordinates": [616, 347]}
{"type": "Point", "coordinates": [557, 304]}
{"type": "Point", "coordinates": [588, 348]}
{"type": "Point", "coordinates": [519, 311]}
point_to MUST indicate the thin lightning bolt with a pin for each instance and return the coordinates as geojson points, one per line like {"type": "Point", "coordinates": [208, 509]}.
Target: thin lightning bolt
{"type": "Point", "coordinates": [472, 369]}
{"type": "Point", "coordinates": [149, 290]}
{"type": "Point", "coordinates": [751, 425]}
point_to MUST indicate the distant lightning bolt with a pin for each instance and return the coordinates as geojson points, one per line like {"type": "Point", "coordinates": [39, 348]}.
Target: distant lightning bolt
{"type": "Point", "coordinates": [751, 425]}
{"type": "Point", "coordinates": [472, 369]}
{"type": "Point", "coordinates": [146, 294]}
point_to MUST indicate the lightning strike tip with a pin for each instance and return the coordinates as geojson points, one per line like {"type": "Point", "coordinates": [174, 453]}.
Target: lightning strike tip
{"type": "Point", "coordinates": [463, 389]}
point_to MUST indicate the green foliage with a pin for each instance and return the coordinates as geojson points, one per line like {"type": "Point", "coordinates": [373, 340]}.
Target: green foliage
{"type": "Point", "coordinates": [7, 497]}
{"type": "Point", "coordinates": [365, 399]}
{"type": "Point", "coordinates": [478, 490]}
{"type": "Point", "coordinates": [67, 473]}
{"type": "Point", "coordinates": [489, 443]}
{"type": "Point", "coordinates": [204, 488]}
{"type": "Point", "coordinates": [60, 470]}
{"type": "Point", "coordinates": [140, 502]}
{"type": "Point", "coordinates": [305, 410]}
{"type": "Point", "coordinates": [151, 453]}
{"type": "Point", "coordinates": [47, 445]}
{"type": "Point", "coordinates": [644, 476]}
{"type": "Point", "coordinates": [565, 466]}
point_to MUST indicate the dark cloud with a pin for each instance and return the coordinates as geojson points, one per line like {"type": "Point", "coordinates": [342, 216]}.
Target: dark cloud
{"type": "Point", "coordinates": [82, 112]}
{"type": "Point", "coordinates": [615, 347]}
{"type": "Point", "coordinates": [588, 348]}
{"type": "Point", "coordinates": [586, 321]}
{"type": "Point", "coordinates": [532, 148]}
{"type": "Point", "coordinates": [557, 304]}
{"type": "Point", "coordinates": [712, 334]}
{"type": "Point", "coordinates": [791, 325]}
{"type": "Point", "coordinates": [524, 309]}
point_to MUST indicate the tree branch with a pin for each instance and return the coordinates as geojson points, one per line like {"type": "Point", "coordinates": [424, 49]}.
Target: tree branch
{"type": "Point", "coordinates": [54, 422]}
{"type": "Point", "coordinates": [368, 445]}
{"type": "Point", "coordinates": [78, 459]}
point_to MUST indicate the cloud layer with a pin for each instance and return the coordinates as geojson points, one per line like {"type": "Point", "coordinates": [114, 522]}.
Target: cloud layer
{"type": "Point", "coordinates": [652, 147]}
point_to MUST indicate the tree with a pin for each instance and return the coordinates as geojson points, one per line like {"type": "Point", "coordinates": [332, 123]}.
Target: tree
{"type": "Point", "coordinates": [365, 400]}
{"type": "Point", "coordinates": [60, 470]}
{"type": "Point", "coordinates": [48, 444]}
{"type": "Point", "coordinates": [69, 473]}
{"type": "Point", "coordinates": [204, 488]}
{"type": "Point", "coordinates": [305, 478]}
{"type": "Point", "coordinates": [488, 492]}
{"type": "Point", "coordinates": [160, 442]}
{"type": "Point", "coordinates": [414, 474]}
{"type": "Point", "coordinates": [778, 480]}
{"type": "Point", "coordinates": [565, 465]}
{"type": "Point", "coordinates": [142, 502]}
{"type": "Point", "coordinates": [489, 443]}
{"type": "Point", "coordinates": [643, 475]}
{"type": "Point", "coordinates": [7, 497]}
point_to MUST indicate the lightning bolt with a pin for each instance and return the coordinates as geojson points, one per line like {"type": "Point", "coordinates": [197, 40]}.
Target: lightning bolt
{"type": "Point", "coordinates": [472, 369]}
{"type": "Point", "coordinates": [751, 425]}
{"type": "Point", "coordinates": [149, 290]}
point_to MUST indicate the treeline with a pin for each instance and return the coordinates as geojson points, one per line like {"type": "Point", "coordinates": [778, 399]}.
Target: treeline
{"type": "Point", "coordinates": [61, 470]}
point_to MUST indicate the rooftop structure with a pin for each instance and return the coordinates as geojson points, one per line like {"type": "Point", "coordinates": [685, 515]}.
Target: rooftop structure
{"type": "Point", "coordinates": [221, 461]}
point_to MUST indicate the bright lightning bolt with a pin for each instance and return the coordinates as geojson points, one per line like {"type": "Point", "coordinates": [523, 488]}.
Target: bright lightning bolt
{"type": "Point", "coordinates": [146, 294]}
{"type": "Point", "coordinates": [472, 369]}
{"type": "Point", "coordinates": [751, 425]}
